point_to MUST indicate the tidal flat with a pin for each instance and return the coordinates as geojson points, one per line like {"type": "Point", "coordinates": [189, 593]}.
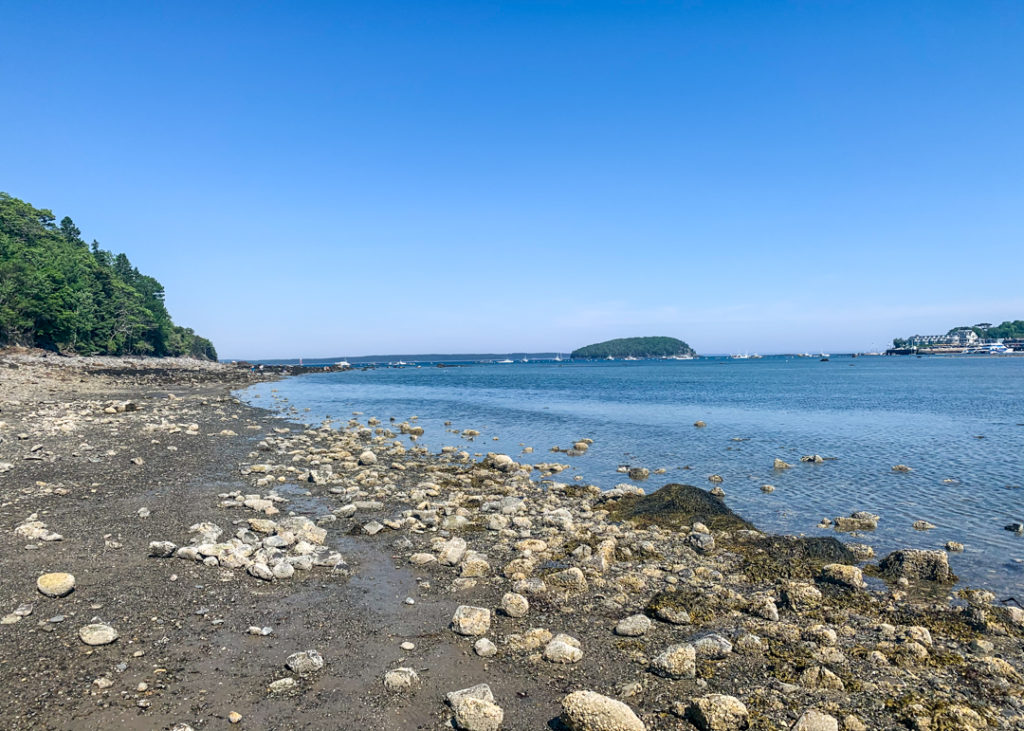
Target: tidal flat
{"type": "Point", "coordinates": [256, 571]}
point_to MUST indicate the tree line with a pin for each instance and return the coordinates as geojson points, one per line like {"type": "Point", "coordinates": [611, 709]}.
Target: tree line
{"type": "Point", "coordinates": [60, 293]}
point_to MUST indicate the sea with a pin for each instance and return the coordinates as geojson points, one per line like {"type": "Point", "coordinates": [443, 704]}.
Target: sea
{"type": "Point", "coordinates": [956, 422]}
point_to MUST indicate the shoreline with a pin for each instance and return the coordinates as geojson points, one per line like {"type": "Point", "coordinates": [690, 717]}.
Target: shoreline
{"type": "Point", "coordinates": [444, 530]}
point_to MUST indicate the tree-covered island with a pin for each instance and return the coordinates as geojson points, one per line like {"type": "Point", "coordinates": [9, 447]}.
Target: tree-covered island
{"type": "Point", "coordinates": [60, 293]}
{"type": "Point", "coordinates": [649, 347]}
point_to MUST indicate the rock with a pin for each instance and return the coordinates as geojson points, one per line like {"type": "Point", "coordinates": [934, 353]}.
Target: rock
{"type": "Point", "coordinates": [676, 505]}
{"type": "Point", "coordinates": [635, 626]}
{"type": "Point", "coordinates": [234, 717]}
{"type": "Point", "coordinates": [702, 542]}
{"type": "Point", "coordinates": [485, 648]}
{"type": "Point", "coordinates": [97, 634]}
{"type": "Point", "coordinates": [813, 459]}
{"type": "Point", "coordinates": [639, 473]}
{"type": "Point", "coordinates": [820, 678]}
{"type": "Point", "coordinates": [816, 721]}
{"type": "Point", "coordinates": [570, 580]}
{"type": "Point", "coordinates": [283, 685]}
{"type": "Point", "coordinates": [500, 462]}
{"type": "Point", "coordinates": [1017, 528]}
{"type": "Point", "coordinates": [861, 520]}
{"type": "Point", "coordinates": [700, 424]}
{"type": "Point", "coordinates": [471, 621]}
{"type": "Point", "coordinates": [306, 662]}
{"type": "Point", "coordinates": [911, 563]}
{"type": "Point", "coordinates": [837, 573]}
{"type": "Point", "coordinates": [586, 710]}
{"type": "Point", "coordinates": [451, 552]}
{"type": "Point", "coordinates": [367, 458]}
{"type": "Point", "coordinates": [475, 709]}
{"type": "Point", "coordinates": [923, 525]}
{"type": "Point", "coordinates": [677, 661]}
{"type": "Point", "coordinates": [672, 615]}
{"type": "Point", "coordinates": [711, 645]}
{"type": "Point", "coordinates": [767, 488]}
{"type": "Point", "coordinates": [56, 585]}
{"type": "Point", "coordinates": [954, 547]}
{"type": "Point", "coordinates": [718, 712]}
{"type": "Point", "coordinates": [799, 595]}
{"type": "Point", "coordinates": [162, 549]}
{"type": "Point", "coordinates": [563, 649]}
{"type": "Point", "coordinates": [401, 679]}
{"type": "Point", "coordinates": [780, 465]}
{"type": "Point", "coordinates": [515, 605]}
{"type": "Point", "coordinates": [261, 571]}
{"type": "Point", "coordinates": [901, 468]}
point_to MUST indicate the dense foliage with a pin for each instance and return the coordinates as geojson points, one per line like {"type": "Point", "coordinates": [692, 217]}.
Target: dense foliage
{"type": "Point", "coordinates": [58, 292]}
{"type": "Point", "coordinates": [652, 347]}
{"type": "Point", "coordinates": [1009, 329]}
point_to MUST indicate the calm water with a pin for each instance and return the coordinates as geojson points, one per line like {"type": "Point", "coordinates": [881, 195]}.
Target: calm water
{"type": "Point", "coordinates": [958, 422]}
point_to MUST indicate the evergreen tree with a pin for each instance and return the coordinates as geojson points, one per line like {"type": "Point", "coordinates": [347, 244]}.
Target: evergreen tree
{"type": "Point", "coordinates": [57, 292]}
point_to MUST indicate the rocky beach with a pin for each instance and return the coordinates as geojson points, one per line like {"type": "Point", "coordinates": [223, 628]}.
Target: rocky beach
{"type": "Point", "coordinates": [175, 559]}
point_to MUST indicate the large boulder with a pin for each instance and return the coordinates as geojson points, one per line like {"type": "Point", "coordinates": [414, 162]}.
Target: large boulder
{"type": "Point", "coordinates": [676, 505]}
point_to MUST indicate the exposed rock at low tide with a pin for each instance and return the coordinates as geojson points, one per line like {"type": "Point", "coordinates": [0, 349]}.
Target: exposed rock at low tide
{"type": "Point", "coordinates": [586, 710]}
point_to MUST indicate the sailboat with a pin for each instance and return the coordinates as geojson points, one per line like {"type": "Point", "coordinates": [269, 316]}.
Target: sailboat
{"type": "Point", "coordinates": [558, 358]}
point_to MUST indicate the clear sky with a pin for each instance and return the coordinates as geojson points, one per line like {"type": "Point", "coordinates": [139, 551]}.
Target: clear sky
{"type": "Point", "coordinates": [347, 178]}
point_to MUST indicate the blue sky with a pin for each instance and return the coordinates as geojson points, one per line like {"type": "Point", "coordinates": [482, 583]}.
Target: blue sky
{"type": "Point", "coordinates": [380, 177]}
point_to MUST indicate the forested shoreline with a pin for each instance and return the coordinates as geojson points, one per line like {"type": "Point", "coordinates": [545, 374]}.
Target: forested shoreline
{"type": "Point", "coordinates": [60, 293]}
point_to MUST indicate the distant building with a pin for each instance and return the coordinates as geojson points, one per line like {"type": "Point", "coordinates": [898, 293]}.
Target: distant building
{"type": "Point", "coordinates": [962, 338]}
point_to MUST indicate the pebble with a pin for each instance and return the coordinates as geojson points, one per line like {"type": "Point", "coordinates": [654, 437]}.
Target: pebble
{"type": "Point", "coordinates": [306, 662]}
{"type": "Point", "coordinates": [97, 634]}
{"type": "Point", "coordinates": [283, 685]}
{"type": "Point", "coordinates": [401, 679]}
{"type": "Point", "coordinates": [485, 648]}
{"type": "Point", "coordinates": [56, 585]}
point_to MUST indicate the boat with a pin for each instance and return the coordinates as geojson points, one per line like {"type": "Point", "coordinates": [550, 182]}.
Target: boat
{"type": "Point", "coordinates": [506, 361]}
{"type": "Point", "coordinates": [755, 356]}
{"type": "Point", "coordinates": [525, 360]}
{"type": "Point", "coordinates": [738, 356]}
{"type": "Point", "coordinates": [680, 357]}
{"type": "Point", "coordinates": [609, 358]}
{"type": "Point", "coordinates": [342, 364]}
{"type": "Point", "coordinates": [558, 358]}
{"type": "Point", "coordinates": [630, 357]}
{"type": "Point", "coordinates": [988, 349]}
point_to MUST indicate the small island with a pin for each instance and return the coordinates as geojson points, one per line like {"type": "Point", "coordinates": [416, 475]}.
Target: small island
{"type": "Point", "coordinates": [649, 347]}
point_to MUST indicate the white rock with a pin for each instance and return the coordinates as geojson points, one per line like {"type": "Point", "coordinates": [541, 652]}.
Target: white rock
{"type": "Point", "coordinates": [471, 621]}
{"type": "Point", "coordinates": [586, 710]}
{"type": "Point", "coordinates": [97, 634]}
{"type": "Point", "coordinates": [634, 626]}
{"type": "Point", "coordinates": [305, 662]}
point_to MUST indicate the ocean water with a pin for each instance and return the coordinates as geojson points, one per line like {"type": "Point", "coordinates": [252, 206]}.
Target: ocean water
{"type": "Point", "coordinates": [957, 422]}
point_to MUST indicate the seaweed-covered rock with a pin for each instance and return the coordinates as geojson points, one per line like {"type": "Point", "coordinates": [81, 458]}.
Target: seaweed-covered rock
{"type": "Point", "coordinates": [910, 563]}
{"type": "Point", "coordinates": [676, 505]}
